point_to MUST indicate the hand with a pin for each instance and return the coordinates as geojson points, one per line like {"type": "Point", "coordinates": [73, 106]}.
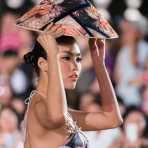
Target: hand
{"type": "Point", "coordinates": [48, 37]}
{"type": "Point", "coordinates": [97, 48]}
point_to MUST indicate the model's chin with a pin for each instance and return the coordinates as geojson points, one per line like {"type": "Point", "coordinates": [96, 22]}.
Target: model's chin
{"type": "Point", "coordinates": [71, 85]}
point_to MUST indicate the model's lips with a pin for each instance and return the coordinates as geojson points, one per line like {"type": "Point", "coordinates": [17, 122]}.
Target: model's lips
{"type": "Point", "coordinates": [74, 76]}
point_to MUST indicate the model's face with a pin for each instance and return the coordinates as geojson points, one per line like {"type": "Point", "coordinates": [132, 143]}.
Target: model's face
{"type": "Point", "coordinates": [70, 62]}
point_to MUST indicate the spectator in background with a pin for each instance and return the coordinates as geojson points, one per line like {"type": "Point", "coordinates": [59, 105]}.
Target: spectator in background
{"type": "Point", "coordinates": [88, 101]}
{"type": "Point", "coordinates": [9, 62]}
{"type": "Point", "coordinates": [10, 37]}
{"type": "Point", "coordinates": [133, 130]}
{"type": "Point", "coordinates": [19, 42]}
{"type": "Point", "coordinates": [122, 105]}
{"type": "Point", "coordinates": [10, 137]}
{"type": "Point", "coordinates": [15, 6]}
{"type": "Point", "coordinates": [19, 107]}
{"type": "Point", "coordinates": [131, 59]}
{"type": "Point", "coordinates": [14, 78]}
{"type": "Point", "coordinates": [145, 100]}
{"type": "Point", "coordinates": [142, 81]}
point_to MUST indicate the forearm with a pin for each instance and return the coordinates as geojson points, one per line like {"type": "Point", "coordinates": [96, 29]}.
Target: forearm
{"type": "Point", "coordinates": [56, 98]}
{"type": "Point", "coordinates": [109, 103]}
{"type": "Point", "coordinates": [56, 103]}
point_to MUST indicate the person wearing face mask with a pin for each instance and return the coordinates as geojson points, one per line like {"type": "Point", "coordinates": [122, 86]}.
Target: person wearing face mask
{"type": "Point", "coordinates": [133, 130]}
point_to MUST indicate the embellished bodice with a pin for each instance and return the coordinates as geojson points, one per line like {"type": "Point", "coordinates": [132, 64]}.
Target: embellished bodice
{"type": "Point", "coordinates": [77, 138]}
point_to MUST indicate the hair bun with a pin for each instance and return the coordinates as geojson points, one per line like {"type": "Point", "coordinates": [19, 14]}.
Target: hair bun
{"type": "Point", "coordinates": [29, 58]}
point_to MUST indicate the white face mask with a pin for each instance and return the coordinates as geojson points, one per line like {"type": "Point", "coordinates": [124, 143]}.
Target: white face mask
{"type": "Point", "coordinates": [15, 4]}
{"type": "Point", "coordinates": [18, 82]}
{"type": "Point", "coordinates": [8, 140]}
{"type": "Point", "coordinates": [131, 131]}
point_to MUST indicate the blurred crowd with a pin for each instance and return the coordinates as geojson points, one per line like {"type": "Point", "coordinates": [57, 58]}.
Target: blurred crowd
{"type": "Point", "coordinates": [126, 62]}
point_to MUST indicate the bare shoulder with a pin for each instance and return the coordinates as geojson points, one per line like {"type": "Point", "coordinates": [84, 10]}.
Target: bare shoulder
{"type": "Point", "coordinates": [39, 109]}
{"type": "Point", "coordinates": [37, 98]}
{"type": "Point", "coordinates": [38, 103]}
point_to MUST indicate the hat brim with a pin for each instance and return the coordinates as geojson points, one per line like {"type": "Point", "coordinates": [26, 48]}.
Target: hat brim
{"type": "Point", "coordinates": [78, 18]}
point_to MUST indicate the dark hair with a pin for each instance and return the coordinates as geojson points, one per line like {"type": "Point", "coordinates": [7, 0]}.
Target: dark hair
{"type": "Point", "coordinates": [38, 51]}
{"type": "Point", "coordinates": [132, 108]}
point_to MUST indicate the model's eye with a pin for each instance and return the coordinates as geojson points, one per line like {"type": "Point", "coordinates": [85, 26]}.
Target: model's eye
{"type": "Point", "coordinates": [78, 59]}
{"type": "Point", "coordinates": [66, 58]}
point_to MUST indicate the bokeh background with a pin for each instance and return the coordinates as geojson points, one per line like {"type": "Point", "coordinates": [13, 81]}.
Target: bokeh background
{"type": "Point", "coordinates": [126, 61]}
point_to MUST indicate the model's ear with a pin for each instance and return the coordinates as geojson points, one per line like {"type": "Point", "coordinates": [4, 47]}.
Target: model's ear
{"type": "Point", "coordinates": [42, 64]}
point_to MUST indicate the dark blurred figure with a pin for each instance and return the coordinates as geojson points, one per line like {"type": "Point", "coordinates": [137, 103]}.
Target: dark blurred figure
{"type": "Point", "coordinates": [8, 63]}
{"type": "Point", "coordinates": [131, 60]}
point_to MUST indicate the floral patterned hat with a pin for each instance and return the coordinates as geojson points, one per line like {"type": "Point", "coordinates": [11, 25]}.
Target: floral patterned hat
{"type": "Point", "coordinates": [78, 18]}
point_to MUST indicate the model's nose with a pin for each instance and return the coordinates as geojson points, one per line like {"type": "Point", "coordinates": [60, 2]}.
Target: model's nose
{"type": "Point", "coordinates": [74, 66]}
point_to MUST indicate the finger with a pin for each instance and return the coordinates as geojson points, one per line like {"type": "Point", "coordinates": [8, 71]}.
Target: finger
{"type": "Point", "coordinates": [55, 30]}
{"type": "Point", "coordinates": [59, 30]}
{"type": "Point", "coordinates": [59, 33]}
{"type": "Point", "coordinates": [30, 29]}
{"type": "Point", "coordinates": [48, 27]}
{"type": "Point", "coordinates": [100, 41]}
{"type": "Point", "coordinates": [52, 30]}
{"type": "Point", "coordinates": [92, 42]}
{"type": "Point", "coordinates": [55, 27]}
{"type": "Point", "coordinates": [36, 30]}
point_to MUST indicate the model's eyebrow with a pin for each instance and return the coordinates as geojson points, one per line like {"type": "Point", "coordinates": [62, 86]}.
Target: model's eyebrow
{"type": "Point", "coordinates": [72, 53]}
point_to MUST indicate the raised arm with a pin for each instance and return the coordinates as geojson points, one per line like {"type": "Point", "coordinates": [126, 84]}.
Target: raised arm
{"type": "Point", "coordinates": [109, 116]}
{"type": "Point", "coordinates": [109, 103]}
{"type": "Point", "coordinates": [56, 98]}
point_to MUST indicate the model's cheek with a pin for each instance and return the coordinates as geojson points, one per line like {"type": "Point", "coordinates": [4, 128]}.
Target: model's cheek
{"type": "Point", "coordinates": [65, 70]}
{"type": "Point", "coordinates": [79, 69]}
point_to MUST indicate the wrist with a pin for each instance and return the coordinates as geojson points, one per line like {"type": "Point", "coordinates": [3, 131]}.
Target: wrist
{"type": "Point", "coordinates": [98, 60]}
{"type": "Point", "coordinates": [101, 63]}
{"type": "Point", "coordinates": [52, 55]}
{"type": "Point", "coordinates": [51, 51]}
